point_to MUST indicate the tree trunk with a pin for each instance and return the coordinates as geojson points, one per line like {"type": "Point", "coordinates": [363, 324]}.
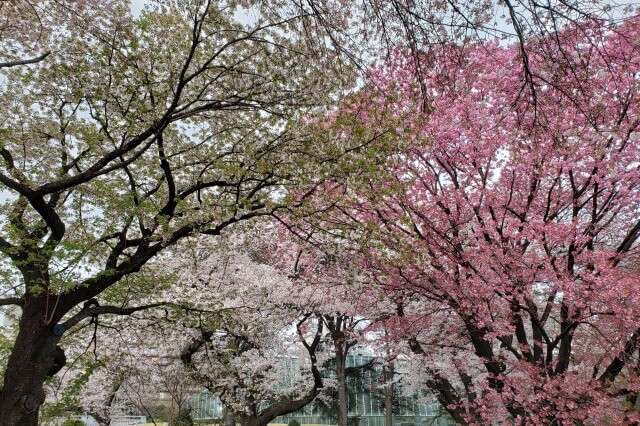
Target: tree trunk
{"type": "Point", "coordinates": [388, 405]}
{"type": "Point", "coordinates": [343, 410]}
{"type": "Point", "coordinates": [31, 358]}
{"type": "Point", "coordinates": [388, 395]}
{"type": "Point", "coordinates": [229, 418]}
{"type": "Point", "coordinates": [283, 408]}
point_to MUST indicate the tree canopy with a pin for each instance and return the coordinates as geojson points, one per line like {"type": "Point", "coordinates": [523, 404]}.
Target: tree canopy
{"type": "Point", "coordinates": [508, 238]}
{"type": "Point", "coordinates": [469, 170]}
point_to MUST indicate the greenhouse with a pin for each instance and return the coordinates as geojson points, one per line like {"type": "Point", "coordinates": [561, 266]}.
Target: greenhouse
{"type": "Point", "coordinates": [366, 403]}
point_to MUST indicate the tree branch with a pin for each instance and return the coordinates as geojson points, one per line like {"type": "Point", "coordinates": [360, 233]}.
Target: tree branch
{"type": "Point", "coordinates": [18, 301]}
{"type": "Point", "coordinates": [34, 60]}
{"type": "Point", "coordinates": [91, 311]}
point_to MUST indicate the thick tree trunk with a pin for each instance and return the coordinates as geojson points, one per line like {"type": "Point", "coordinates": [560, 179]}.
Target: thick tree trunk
{"type": "Point", "coordinates": [343, 410]}
{"type": "Point", "coordinates": [31, 358]}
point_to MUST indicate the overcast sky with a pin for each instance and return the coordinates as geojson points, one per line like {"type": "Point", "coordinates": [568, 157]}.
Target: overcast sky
{"type": "Point", "coordinates": [136, 6]}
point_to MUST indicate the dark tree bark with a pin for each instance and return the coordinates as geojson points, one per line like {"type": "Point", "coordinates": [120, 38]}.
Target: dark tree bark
{"type": "Point", "coordinates": [31, 359]}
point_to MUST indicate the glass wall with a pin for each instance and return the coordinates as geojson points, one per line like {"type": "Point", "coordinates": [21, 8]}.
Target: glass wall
{"type": "Point", "coordinates": [365, 399]}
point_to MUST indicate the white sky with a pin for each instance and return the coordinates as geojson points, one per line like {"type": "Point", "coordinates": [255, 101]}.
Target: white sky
{"type": "Point", "coordinates": [137, 5]}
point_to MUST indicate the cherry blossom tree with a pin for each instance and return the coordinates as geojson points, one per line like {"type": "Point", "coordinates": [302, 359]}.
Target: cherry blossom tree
{"type": "Point", "coordinates": [122, 135]}
{"type": "Point", "coordinates": [508, 238]}
{"type": "Point", "coordinates": [104, 385]}
{"type": "Point", "coordinates": [366, 29]}
{"type": "Point", "coordinates": [228, 325]}
{"type": "Point", "coordinates": [333, 289]}
{"type": "Point", "coordinates": [259, 352]}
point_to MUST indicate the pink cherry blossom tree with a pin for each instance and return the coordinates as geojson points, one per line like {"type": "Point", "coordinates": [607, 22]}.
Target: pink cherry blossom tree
{"type": "Point", "coordinates": [508, 237]}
